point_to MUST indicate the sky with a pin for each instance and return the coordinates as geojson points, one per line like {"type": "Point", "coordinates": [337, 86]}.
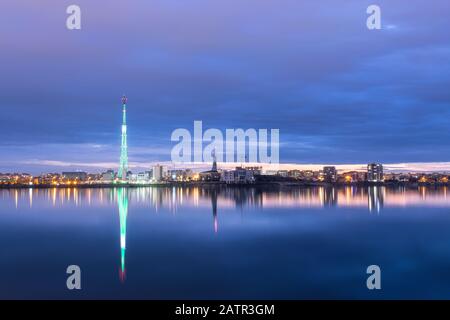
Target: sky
{"type": "Point", "coordinates": [338, 92]}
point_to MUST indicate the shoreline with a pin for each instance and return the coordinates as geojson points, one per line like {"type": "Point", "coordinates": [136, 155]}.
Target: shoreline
{"type": "Point", "coordinates": [223, 184]}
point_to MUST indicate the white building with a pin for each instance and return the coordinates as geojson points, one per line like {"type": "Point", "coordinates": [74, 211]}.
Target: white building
{"type": "Point", "coordinates": [141, 177]}
{"type": "Point", "coordinates": [240, 175]}
{"type": "Point", "coordinates": [375, 172]}
{"type": "Point", "coordinates": [158, 172]}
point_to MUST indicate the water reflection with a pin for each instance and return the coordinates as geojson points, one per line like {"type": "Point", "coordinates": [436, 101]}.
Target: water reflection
{"type": "Point", "coordinates": [328, 196]}
{"type": "Point", "coordinates": [374, 198]}
{"type": "Point", "coordinates": [179, 226]}
{"type": "Point", "coordinates": [214, 210]}
{"type": "Point", "coordinates": [122, 201]}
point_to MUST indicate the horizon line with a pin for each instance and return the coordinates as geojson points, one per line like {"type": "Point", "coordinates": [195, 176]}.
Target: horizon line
{"type": "Point", "coordinates": [99, 166]}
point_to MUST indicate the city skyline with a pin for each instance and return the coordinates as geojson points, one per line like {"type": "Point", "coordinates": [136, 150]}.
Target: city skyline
{"type": "Point", "coordinates": [356, 97]}
{"type": "Point", "coordinates": [442, 167]}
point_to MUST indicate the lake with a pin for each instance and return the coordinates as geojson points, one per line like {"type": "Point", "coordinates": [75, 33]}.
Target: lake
{"type": "Point", "coordinates": [225, 242]}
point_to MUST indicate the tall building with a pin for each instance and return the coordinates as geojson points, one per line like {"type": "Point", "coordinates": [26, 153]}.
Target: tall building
{"type": "Point", "coordinates": [330, 174]}
{"type": "Point", "coordinates": [123, 166]}
{"type": "Point", "coordinates": [375, 172]}
{"type": "Point", "coordinates": [158, 172]}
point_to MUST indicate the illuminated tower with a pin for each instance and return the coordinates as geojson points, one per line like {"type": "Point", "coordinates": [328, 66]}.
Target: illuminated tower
{"type": "Point", "coordinates": [123, 167]}
{"type": "Point", "coordinates": [122, 201]}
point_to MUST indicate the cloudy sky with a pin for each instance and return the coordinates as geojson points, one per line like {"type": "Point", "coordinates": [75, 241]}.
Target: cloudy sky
{"type": "Point", "coordinates": [338, 92]}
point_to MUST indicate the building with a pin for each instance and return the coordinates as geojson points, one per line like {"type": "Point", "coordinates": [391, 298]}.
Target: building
{"type": "Point", "coordinates": [16, 178]}
{"type": "Point", "coordinates": [329, 174]}
{"type": "Point", "coordinates": [108, 176]}
{"type": "Point", "coordinates": [283, 173]}
{"type": "Point", "coordinates": [228, 176]}
{"type": "Point", "coordinates": [179, 174]}
{"type": "Point", "coordinates": [189, 175]}
{"type": "Point", "coordinates": [141, 177]}
{"type": "Point", "coordinates": [93, 177]}
{"type": "Point", "coordinates": [240, 175]}
{"type": "Point", "coordinates": [309, 175]}
{"type": "Point", "coordinates": [158, 172]}
{"type": "Point", "coordinates": [77, 175]}
{"type": "Point", "coordinates": [296, 174]}
{"type": "Point", "coordinates": [4, 178]}
{"type": "Point", "coordinates": [213, 174]}
{"type": "Point", "coordinates": [353, 176]}
{"type": "Point", "coordinates": [255, 171]}
{"type": "Point", "coordinates": [375, 172]}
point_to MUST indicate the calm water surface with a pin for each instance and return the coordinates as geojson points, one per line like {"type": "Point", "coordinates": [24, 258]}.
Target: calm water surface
{"type": "Point", "coordinates": [235, 243]}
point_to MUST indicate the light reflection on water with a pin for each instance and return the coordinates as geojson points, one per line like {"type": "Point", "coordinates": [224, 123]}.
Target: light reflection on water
{"type": "Point", "coordinates": [260, 224]}
{"type": "Point", "coordinates": [374, 198]}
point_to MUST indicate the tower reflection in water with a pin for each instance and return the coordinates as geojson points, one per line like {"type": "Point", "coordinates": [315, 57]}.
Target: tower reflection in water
{"type": "Point", "coordinates": [122, 201]}
{"type": "Point", "coordinates": [227, 200]}
{"type": "Point", "coordinates": [214, 210]}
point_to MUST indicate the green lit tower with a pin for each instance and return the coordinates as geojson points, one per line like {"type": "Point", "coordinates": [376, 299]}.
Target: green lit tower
{"type": "Point", "coordinates": [123, 167]}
